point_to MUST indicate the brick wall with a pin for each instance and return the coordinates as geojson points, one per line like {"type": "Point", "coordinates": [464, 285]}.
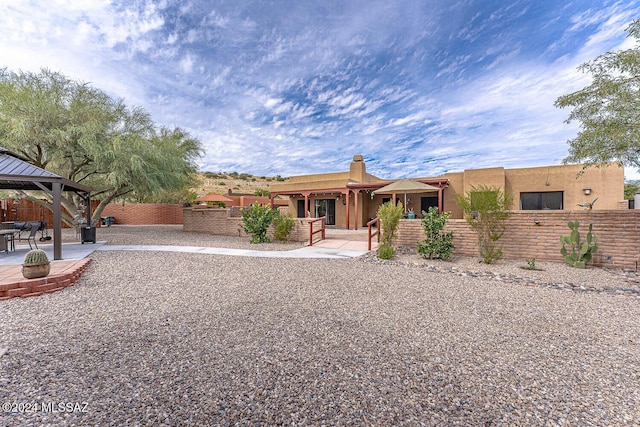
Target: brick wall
{"type": "Point", "coordinates": [223, 221]}
{"type": "Point", "coordinates": [618, 235]}
{"type": "Point", "coordinates": [144, 213]}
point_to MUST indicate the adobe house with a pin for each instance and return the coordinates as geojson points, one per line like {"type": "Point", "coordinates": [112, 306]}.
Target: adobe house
{"type": "Point", "coordinates": [348, 199]}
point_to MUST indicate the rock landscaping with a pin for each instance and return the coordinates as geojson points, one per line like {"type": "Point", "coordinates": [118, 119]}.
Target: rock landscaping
{"type": "Point", "coordinates": [164, 339]}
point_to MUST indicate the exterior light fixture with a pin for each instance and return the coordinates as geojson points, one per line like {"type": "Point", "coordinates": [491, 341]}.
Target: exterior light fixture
{"type": "Point", "coordinates": [536, 222]}
{"type": "Point", "coordinates": [586, 191]}
{"type": "Point", "coordinates": [372, 195]}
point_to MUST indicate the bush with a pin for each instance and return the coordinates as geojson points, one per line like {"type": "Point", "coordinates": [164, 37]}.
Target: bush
{"type": "Point", "coordinates": [261, 192]}
{"type": "Point", "coordinates": [256, 220]}
{"type": "Point", "coordinates": [385, 251]}
{"type": "Point", "coordinates": [485, 209]}
{"type": "Point", "coordinates": [437, 244]}
{"type": "Point", "coordinates": [284, 224]}
{"type": "Point", "coordinates": [390, 216]}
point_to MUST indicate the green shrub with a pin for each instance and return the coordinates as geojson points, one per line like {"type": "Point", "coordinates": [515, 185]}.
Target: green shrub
{"type": "Point", "coordinates": [385, 251]}
{"type": "Point", "coordinates": [390, 216]}
{"type": "Point", "coordinates": [284, 224]}
{"type": "Point", "coordinates": [581, 252]}
{"type": "Point", "coordinates": [485, 209]}
{"type": "Point", "coordinates": [261, 192]}
{"type": "Point", "coordinates": [437, 244]}
{"type": "Point", "coordinates": [256, 220]}
{"type": "Point", "coordinates": [531, 263]}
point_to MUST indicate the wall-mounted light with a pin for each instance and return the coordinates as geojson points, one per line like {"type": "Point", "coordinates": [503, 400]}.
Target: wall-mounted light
{"type": "Point", "coordinates": [16, 201]}
{"type": "Point", "coordinates": [537, 222]}
{"type": "Point", "coordinates": [373, 195]}
{"type": "Point", "coordinates": [586, 191]}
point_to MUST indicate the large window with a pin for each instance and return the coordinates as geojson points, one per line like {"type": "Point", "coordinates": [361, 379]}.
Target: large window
{"type": "Point", "coordinates": [543, 200]}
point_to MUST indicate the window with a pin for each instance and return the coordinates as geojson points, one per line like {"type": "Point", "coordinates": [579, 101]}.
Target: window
{"type": "Point", "coordinates": [541, 200]}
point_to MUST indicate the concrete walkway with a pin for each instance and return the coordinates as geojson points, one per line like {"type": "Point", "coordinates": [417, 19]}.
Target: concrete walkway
{"type": "Point", "coordinates": [333, 248]}
{"type": "Point", "coordinates": [315, 251]}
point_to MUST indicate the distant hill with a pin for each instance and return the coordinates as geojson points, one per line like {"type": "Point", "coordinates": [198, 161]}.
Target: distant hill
{"type": "Point", "coordinates": [222, 182]}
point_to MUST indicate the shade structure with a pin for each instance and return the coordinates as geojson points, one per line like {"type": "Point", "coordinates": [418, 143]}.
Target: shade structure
{"type": "Point", "coordinates": [405, 186]}
{"type": "Point", "coordinates": [213, 197]}
{"type": "Point", "coordinates": [16, 173]}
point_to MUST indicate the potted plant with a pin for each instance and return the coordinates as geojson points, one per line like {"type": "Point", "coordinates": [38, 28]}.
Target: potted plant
{"type": "Point", "coordinates": [36, 264]}
{"type": "Point", "coordinates": [411, 214]}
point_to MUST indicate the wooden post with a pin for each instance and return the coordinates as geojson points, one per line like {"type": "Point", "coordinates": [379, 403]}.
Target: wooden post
{"type": "Point", "coordinates": [348, 208]}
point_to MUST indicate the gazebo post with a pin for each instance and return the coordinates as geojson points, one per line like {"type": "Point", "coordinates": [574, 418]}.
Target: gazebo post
{"type": "Point", "coordinates": [87, 199]}
{"type": "Point", "coordinates": [57, 220]}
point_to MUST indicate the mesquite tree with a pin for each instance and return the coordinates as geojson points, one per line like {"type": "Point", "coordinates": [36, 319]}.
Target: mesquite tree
{"type": "Point", "coordinates": [608, 109]}
{"type": "Point", "coordinates": [81, 133]}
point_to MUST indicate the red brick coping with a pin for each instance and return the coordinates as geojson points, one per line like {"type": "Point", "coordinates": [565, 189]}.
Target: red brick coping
{"type": "Point", "coordinates": [52, 283]}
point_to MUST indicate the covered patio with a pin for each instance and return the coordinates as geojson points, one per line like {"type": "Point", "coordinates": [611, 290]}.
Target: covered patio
{"type": "Point", "coordinates": [358, 196]}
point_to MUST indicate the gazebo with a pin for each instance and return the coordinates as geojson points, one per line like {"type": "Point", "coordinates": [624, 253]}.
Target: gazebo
{"type": "Point", "coordinates": [16, 173]}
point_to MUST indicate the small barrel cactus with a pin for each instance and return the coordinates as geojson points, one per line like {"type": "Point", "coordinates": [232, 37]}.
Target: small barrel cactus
{"type": "Point", "coordinates": [36, 256]}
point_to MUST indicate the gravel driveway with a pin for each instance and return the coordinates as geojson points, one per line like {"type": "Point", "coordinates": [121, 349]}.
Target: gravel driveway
{"type": "Point", "coordinates": [188, 339]}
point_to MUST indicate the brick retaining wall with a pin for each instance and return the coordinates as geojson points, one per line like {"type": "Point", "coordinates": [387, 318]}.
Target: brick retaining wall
{"type": "Point", "coordinates": [144, 213]}
{"type": "Point", "coordinates": [618, 235]}
{"type": "Point", "coordinates": [223, 221]}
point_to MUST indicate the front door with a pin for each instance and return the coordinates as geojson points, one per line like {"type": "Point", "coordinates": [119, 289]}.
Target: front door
{"type": "Point", "coordinates": [301, 212]}
{"type": "Point", "coordinates": [326, 207]}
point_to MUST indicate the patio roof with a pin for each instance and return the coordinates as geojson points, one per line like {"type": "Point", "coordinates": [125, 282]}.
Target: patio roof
{"type": "Point", "coordinates": [406, 186]}
{"type": "Point", "coordinates": [213, 197]}
{"type": "Point", "coordinates": [16, 173]}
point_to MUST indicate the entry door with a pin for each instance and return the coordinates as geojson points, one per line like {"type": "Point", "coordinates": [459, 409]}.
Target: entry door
{"type": "Point", "coordinates": [326, 207]}
{"type": "Point", "coordinates": [301, 212]}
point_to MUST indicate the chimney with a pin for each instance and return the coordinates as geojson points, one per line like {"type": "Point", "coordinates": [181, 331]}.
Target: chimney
{"type": "Point", "coordinates": [357, 170]}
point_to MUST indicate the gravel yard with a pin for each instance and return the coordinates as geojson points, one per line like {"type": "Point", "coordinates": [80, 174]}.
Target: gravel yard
{"type": "Point", "coordinates": [170, 339]}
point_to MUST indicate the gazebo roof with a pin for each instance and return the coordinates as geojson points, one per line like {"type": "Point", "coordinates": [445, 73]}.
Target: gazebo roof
{"type": "Point", "coordinates": [16, 173]}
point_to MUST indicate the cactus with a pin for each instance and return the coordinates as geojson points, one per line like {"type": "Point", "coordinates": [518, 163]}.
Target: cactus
{"type": "Point", "coordinates": [36, 256]}
{"type": "Point", "coordinates": [581, 252]}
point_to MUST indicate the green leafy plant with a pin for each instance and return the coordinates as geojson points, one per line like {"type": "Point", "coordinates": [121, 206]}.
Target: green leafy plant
{"type": "Point", "coordinates": [581, 252]}
{"type": "Point", "coordinates": [531, 263]}
{"type": "Point", "coordinates": [36, 256]}
{"type": "Point", "coordinates": [390, 216]}
{"type": "Point", "coordinates": [437, 244]}
{"type": "Point", "coordinates": [485, 209]}
{"type": "Point", "coordinates": [385, 251]}
{"type": "Point", "coordinates": [283, 224]}
{"type": "Point", "coordinates": [261, 192]}
{"type": "Point", "coordinates": [256, 220]}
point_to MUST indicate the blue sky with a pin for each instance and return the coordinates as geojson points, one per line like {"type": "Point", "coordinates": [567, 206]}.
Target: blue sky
{"type": "Point", "coordinates": [418, 88]}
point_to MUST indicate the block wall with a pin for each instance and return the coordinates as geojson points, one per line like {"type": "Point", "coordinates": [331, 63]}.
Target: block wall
{"type": "Point", "coordinates": [144, 213]}
{"type": "Point", "coordinates": [618, 235]}
{"type": "Point", "coordinates": [223, 221]}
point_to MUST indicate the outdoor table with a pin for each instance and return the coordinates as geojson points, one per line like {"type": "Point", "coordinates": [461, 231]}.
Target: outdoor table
{"type": "Point", "coordinates": [7, 240]}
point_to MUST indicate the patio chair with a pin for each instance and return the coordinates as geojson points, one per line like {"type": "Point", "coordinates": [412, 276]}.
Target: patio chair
{"type": "Point", "coordinates": [32, 235]}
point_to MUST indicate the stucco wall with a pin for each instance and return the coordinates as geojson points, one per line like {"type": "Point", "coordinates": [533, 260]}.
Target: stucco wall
{"type": "Point", "coordinates": [618, 234]}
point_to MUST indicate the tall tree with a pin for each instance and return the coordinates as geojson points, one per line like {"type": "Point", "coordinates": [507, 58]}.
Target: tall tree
{"type": "Point", "coordinates": [608, 109]}
{"type": "Point", "coordinates": [79, 132]}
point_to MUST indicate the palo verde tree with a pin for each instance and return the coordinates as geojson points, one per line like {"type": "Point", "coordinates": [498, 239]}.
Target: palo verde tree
{"type": "Point", "coordinates": [81, 133]}
{"type": "Point", "coordinates": [608, 109]}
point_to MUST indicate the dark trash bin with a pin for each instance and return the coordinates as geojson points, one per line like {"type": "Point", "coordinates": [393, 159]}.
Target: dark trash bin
{"type": "Point", "coordinates": [88, 234]}
{"type": "Point", "coordinates": [108, 220]}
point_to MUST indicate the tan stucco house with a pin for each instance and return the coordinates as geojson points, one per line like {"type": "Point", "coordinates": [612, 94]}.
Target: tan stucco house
{"type": "Point", "coordinates": [348, 199]}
